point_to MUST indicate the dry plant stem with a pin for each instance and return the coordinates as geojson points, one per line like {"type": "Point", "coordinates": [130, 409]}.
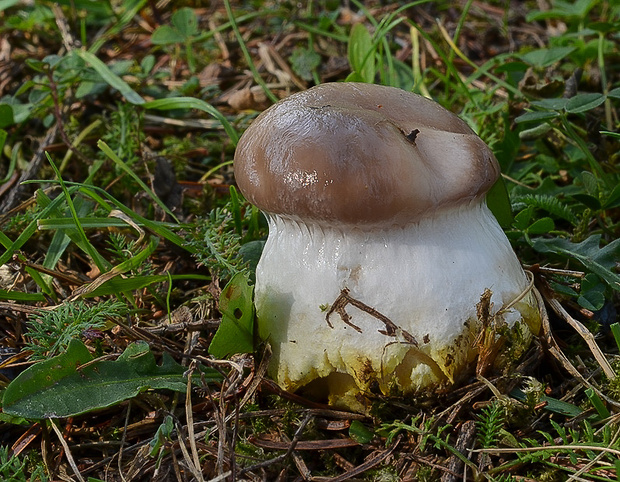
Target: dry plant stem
{"type": "Point", "coordinates": [464, 443]}
{"type": "Point", "coordinates": [188, 459]}
{"type": "Point", "coordinates": [123, 438]}
{"type": "Point", "coordinates": [299, 462]}
{"type": "Point", "coordinates": [220, 423]}
{"type": "Point", "coordinates": [586, 335]}
{"type": "Point", "coordinates": [284, 456]}
{"type": "Point", "coordinates": [554, 349]}
{"type": "Point", "coordinates": [42, 269]}
{"type": "Point", "coordinates": [571, 448]}
{"type": "Point", "coordinates": [258, 376]}
{"type": "Point", "coordinates": [360, 469]}
{"type": "Point", "coordinates": [233, 439]}
{"type": "Point", "coordinates": [12, 307]}
{"type": "Point", "coordinates": [189, 417]}
{"type": "Point", "coordinates": [222, 477]}
{"type": "Point", "coordinates": [594, 461]}
{"type": "Point", "coordinates": [427, 463]}
{"type": "Point", "coordinates": [182, 327]}
{"type": "Point", "coordinates": [562, 272]}
{"type": "Point", "coordinates": [65, 446]}
{"type": "Point", "coordinates": [176, 466]}
{"type": "Point", "coordinates": [454, 409]}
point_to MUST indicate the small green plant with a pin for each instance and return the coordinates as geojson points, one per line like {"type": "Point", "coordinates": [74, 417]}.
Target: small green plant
{"type": "Point", "coordinates": [16, 469]}
{"type": "Point", "coordinates": [51, 331]}
{"type": "Point", "coordinates": [226, 241]}
{"type": "Point", "coordinates": [181, 32]}
{"type": "Point", "coordinates": [490, 423]}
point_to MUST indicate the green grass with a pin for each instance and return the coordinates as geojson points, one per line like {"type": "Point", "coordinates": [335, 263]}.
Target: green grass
{"type": "Point", "coordinates": [131, 226]}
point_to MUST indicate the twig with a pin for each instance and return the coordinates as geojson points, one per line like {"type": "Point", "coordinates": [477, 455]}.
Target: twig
{"type": "Point", "coordinates": [464, 441]}
{"type": "Point", "coordinates": [194, 470]}
{"type": "Point", "coordinates": [585, 334]}
{"type": "Point", "coordinates": [593, 462]}
{"type": "Point", "coordinates": [345, 299]}
{"type": "Point", "coordinates": [554, 349]}
{"type": "Point", "coordinates": [571, 448]}
{"type": "Point", "coordinates": [363, 467]}
{"type": "Point", "coordinates": [123, 439]}
{"type": "Point", "coordinates": [190, 422]}
{"type": "Point", "coordinates": [65, 446]}
{"type": "Point", "coordinates": [181, 327]}
{"type": "Point", "coordinates": [284, 456]}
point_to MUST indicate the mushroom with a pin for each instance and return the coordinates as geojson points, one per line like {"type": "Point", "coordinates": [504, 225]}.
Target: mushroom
{"type": "Point", "coordinates": [380, 247]}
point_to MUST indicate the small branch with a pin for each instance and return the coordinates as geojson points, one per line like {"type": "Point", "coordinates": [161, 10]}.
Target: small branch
{"type": "Point", "coordinates": [282, 457]}
{"type": "Point", "coordinates": [65, 446]}
{"type": "Point", "coordinates": [345, 299]}
{"type": "Point", "coordinates": [553, 348]}
{"type": "Point", "coordinates": [585, 334]}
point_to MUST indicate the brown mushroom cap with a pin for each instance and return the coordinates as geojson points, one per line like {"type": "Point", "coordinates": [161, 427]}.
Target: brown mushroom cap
{"type": "Point", "coordinates": [364, 154]}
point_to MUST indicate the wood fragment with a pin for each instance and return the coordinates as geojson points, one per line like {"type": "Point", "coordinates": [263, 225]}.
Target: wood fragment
{"type": "Point", "coordinates": [345, 299]}
{"type": "Point", "coordinates": [360, 469]}
{"type": "Point", "coordinates": [587, 336]}
{"type": "Point", "coordinates": [464, 442]}
{"type": "Point", "coordinates": [331, 444]}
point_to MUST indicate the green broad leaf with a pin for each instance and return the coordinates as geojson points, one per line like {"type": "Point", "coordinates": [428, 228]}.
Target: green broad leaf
{"type": "Point", "coordinates": [592, 295]}
{"type": "Point", "coordinates": [522, 219]}
{"type": "Point", "coordinates": [498, 202]}
{"type": "Point", "coordinates": [6, 117]}
{"type": "Point", "coordinates": [597, 403]}
{"type": "Point", "coordinates": [166, 35]}
{"type": "Point", "coordinates": [613, 199]}
{"type": "Point", "coordinates": [553, 404]}
{"type": "Point", "coordinates": [184, 26]}
{"type": "Point", "coordinates": [4, 4]}
{"type": "Point", "coordinates": [72, 383]}
{"type": "Point", "coordinates": [360, 433]}
{"type": "Point", "coordinates": [583, 102]}
{"type": "Point", "coordinates": [614, 93]}
{"type": "Point", "coordinates": [590, 183]}
{"type": "Point", "coordinates": [592, 300]}
{"type": "Point", "coordinates": [251, 253]}
{"type": "Point", "coordinates": [110, 77]}
{"type": "Point", "coordinates": [541, 226]}
{"type": "Point", "coordinates": [361, 53]}
{"type": "Point", "coordinates": [551, 104]}
{"type": "Point", "coordinates": [600, 261]}
{"type": "Point", "coordinates": [6, 418]}
{"type": "Point", "coordinates": [536, 116]}
{"type": "Point", "coordinates": [236, 331]}
{"type": "Point", "coordinates": [588, 200]}
{"type": "Point", "coordinates": [304, 62]}
{"type": "Point", "coordinates": [3, 136]}
{"type": "Point", "coordinates": [563, 289]}
{"type": "Point", "coordinates": [563, 10]}
{"type": "Point", "coordinates": [546, 57]}
{"type": "Point", "coordinates": [185, 22]}
{"type": "Point", "coordinates": [90, 88]}
{"type": "Point", "coordinates": [163, 434]}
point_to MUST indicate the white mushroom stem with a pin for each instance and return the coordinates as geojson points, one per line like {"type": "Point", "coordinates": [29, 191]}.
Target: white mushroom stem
{"type": "Point", "coordinates": [426, 277]}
